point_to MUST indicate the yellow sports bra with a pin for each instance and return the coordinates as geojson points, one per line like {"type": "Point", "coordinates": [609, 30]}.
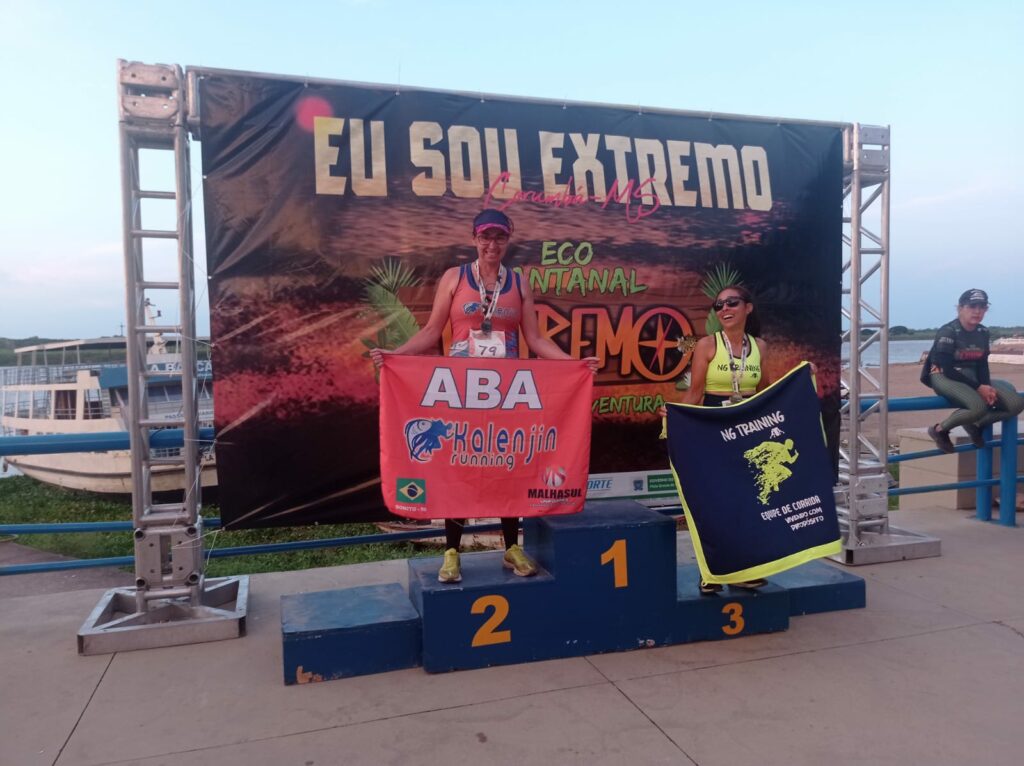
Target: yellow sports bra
{"type": "Point", "coordinates": [719, 377]}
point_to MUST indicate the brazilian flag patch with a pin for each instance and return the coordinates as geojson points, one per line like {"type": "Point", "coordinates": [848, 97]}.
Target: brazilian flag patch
{"type": "Point", "coordinates": [412, 491]}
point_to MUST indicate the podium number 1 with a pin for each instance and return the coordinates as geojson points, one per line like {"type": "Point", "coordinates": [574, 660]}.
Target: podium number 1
{"type": "Point", "coordinates": [486, 635]}
{"type": "Point", "coordinates": [617, 556]}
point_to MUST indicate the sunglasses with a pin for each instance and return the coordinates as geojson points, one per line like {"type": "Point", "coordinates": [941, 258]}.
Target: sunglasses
{"type": "Point", "coordinates": [487, 239]}
{"type": "Point", "coordinates": [732, 302]}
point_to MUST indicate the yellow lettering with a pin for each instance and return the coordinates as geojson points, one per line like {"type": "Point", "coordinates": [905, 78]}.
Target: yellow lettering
{"type": "Point", "coordinates": [466, 181]}
{"type": "Point", "coordinates": [486, 635]}
{"type": "Point", "coordinates": [325, 156]}
{"type": "Point", "coordinates": [617, 556]}
{"type": "Point", "coordinates": [550, 163]}
{"type": "Point", "coordinates": [682, 197]}
{"type": "Point", "coordinates": [433, 181]}
{"type": "Point", "coordinates": [734, 611]}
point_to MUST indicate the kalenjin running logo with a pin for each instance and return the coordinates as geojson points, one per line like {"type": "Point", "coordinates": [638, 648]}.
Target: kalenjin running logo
{"type": "Point", "coordinates": [423, 436]}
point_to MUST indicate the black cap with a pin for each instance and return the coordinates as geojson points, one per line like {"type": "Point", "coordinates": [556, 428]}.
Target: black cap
{"type": "Point", "coordinates": [972, 297]}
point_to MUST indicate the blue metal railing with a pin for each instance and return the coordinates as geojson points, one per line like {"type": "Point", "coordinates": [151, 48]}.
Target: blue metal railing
{"type": "Point", "coordinates": [52, 444]}
{"type": "Point", "coordinates": [170, 438]}
{"type": "Point", "coordinates": [983, 482]}
{"type": "Point", "coordinates": [216, 553]}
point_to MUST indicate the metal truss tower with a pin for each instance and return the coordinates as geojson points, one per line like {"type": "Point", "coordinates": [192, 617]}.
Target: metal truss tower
{"type": "Point", "coordinates": [172, 601]}
{"type": "Point", "coordinates": [863, 472]}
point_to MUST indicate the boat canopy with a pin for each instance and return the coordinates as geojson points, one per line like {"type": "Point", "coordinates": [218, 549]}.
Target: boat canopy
{"type": "Point", "coordinates": [110, 343]}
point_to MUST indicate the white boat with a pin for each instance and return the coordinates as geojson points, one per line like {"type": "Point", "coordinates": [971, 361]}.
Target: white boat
{"type": "Point", "coordinates": [1006, 351]}
{"type": "Point", "coordinates": [73, 397]}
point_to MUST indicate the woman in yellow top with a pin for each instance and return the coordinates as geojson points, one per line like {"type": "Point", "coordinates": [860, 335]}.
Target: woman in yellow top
{"type": "Point", "coordinates": [727, 367]}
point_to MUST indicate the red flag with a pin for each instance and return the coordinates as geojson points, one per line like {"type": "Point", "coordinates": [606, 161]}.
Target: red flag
{"type": "Point", "coordinates": [471, 437]}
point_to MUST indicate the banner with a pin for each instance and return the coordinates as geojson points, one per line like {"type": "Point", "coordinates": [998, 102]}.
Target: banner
{"type": "Point", "coordinates": [333, 209]}
{"type": "Point", "coordinates": [755, 481]}
{"type": "Point", "coordinates": [463, 437]}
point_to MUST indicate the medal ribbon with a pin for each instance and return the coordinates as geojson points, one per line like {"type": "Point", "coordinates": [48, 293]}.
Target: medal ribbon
{"type": "Point", "coordinates": [488, 307]}
{"type": "Point", "coordinates": [734, 372]}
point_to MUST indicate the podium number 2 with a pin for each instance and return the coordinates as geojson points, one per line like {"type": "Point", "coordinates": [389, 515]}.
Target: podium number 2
{"type": "Point", "coordinates": [736, 622]}
{"type": "Point", "coordinates": [487, 635]}
{"type": "Point", "coordinates": [617, 556]}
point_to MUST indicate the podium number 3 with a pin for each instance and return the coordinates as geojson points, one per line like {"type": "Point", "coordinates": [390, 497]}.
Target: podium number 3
{"type": "Point", "coordinates": [617, 556]}
{"type": "Point", "coordinates": [487, 635]}
{"type": "Point", "coordinates": [736, 622]}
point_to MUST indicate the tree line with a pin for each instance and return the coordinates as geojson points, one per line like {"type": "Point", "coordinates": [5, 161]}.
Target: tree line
{"type": "Point", "coordinates": [901, 332]}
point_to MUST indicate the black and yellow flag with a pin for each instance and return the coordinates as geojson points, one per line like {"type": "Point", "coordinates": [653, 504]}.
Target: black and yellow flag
{"type": "Point", "coordinates": [755, 480]}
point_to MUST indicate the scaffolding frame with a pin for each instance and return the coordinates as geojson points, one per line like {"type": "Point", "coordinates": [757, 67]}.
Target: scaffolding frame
{"type": "Point", "coordinates": [172, 601]}
{"type": "Point", "coordinates": [863, 465]}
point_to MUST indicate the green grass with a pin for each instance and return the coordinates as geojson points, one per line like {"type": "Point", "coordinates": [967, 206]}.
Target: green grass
{"type": "Point", "coordinates": [26, 501]}
{"type": "Point", "coordinates": [894, 501]}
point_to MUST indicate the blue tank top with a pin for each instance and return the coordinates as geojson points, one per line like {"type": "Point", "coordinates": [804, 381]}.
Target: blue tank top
{"type": "Point", "coordinates": [467, 313]}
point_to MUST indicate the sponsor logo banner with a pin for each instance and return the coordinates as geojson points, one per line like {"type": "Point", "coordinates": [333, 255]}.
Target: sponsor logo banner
{"type": "Point", "coordinates": [660, 482]}
{"type": "Point", "coordinates": [469, 438]}
{"type": "Point", "coordinates": [755, 480]}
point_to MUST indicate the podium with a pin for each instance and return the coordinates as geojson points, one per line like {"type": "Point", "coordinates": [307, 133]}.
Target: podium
{"type": "Point", "coordinates": [608, 581]}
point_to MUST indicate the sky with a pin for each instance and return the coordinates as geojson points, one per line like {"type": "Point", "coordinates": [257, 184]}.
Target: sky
{"type": "Point", "coordinates": [947, 77]}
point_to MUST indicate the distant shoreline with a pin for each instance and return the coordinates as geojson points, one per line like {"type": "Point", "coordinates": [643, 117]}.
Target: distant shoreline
{"type": "Point", "coordinates": [994, 332]}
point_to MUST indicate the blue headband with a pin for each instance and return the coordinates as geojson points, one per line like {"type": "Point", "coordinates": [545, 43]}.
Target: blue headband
{"type": "Point", "coordinates": [491, 219]}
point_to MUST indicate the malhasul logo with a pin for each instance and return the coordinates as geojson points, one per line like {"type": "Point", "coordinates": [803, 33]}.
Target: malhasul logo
{"type": "Point", "coordinates": [554, 477]}
{"type": "Point", "coordinates": [643, 339]}
{"type": "Point", "coordinates": [536, 493]}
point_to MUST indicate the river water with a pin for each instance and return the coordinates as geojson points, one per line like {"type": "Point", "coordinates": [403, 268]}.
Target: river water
{"type": "Point", "coordinates": [900, 352]}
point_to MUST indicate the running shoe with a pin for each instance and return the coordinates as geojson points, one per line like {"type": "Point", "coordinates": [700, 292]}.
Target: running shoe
{"type": "Point", "coordinates": [517, 560]}
{"type": "Point", "coordinates": [749, 584]}
{"type": "Point", "coordinates": [941, 438]}
{"type": "Point", "coordinates": [450, 571]}
{"type": "Point", "coordinates": [709, 588]}
{"type": "Point", "coordinates": [976, 436]}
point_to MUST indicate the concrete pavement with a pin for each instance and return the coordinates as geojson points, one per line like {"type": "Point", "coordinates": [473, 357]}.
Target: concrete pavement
{"type": "Point", "coordinates": [931, 672]}
{"type": "Point", "coordinates": [13, 552]}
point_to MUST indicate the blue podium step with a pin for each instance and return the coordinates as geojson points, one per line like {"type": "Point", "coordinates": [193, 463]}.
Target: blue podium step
{"type": "Point", "coordinates": [817, 587]}
{"type": "Point", "coordinates": [348, 632]}
{"type": "Point", "coordinates": [492, 617]}
{"type": "Point", "coordinates": [732, 613]}
{"type": "Point", "coordinates": [614, 564]}
{"type": "Point", "coordinates": [608, 582]}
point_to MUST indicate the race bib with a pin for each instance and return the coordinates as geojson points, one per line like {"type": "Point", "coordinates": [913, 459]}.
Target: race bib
{"type": "Point", "coordinates": [490, 344]}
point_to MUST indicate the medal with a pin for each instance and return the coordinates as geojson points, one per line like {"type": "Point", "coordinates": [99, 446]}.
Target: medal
{"type": "Point", "coordinates": [488, 303]}
{"type": "Point", "coordinates": [736, 370]}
